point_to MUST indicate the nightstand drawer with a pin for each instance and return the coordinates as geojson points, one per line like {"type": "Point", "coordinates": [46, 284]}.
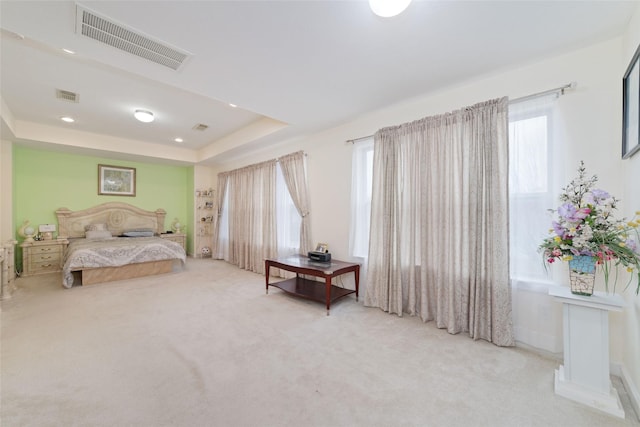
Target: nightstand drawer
{"type": "Point", "coordinates": [45, 257]}
{"type": "Point", "coordinates": [50, 249]}
{"type": "Point", "coordinates": [44, 266]}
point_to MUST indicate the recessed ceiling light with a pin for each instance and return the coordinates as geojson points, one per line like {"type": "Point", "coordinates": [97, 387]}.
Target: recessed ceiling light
{"type": "Point", "coordinates": [67, 119]}
{"type": "Point", "coordinates": [233, 105]}
{"type": "Point", "coordinates": [388, 8]}
{"type": "Point", "coordinates": [179, 140]}
{"type": "Point", "coordinates": [144, 116]}
{"type": "Point", "coordinates": [69, 51]}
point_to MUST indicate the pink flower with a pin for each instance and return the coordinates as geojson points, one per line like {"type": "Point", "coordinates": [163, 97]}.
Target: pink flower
{"type": "Point", "coordinates": [582, 213]}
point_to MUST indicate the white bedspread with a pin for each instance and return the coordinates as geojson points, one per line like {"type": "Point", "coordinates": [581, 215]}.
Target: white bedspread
{"type": "Point", "coordinates": [116, 252]}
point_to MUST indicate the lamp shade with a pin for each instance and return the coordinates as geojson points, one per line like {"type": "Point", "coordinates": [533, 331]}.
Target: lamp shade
{"type": "Point", "coordinates": [388, 8]}
{"type": "Point", "coordinates": [27, 231]}
{"type": "Point", "coordinates": [144, 116]}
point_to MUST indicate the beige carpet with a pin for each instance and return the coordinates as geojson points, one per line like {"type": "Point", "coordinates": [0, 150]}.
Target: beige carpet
{"type": "Point", "coordinates": [207, 347]}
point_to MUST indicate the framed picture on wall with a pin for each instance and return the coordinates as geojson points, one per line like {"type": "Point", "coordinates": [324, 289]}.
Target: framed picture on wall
{"type": "Point", "coordinates": [116, 181]}
{"type": "Point", "coordinates": [631, 108]}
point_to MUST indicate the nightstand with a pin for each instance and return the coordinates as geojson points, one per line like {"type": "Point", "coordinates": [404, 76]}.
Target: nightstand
{"type": "Point", "coordinates": [42, 256]}
{"type": "Point", "coordinates": [176, 237]}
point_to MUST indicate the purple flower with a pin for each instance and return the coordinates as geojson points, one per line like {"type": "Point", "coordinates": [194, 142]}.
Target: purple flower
{"type": "Point", "coordinates": [571, 214]}
{"type": "Point", "coordinates": [631, 244]}
{"type": "Point", "coordinates": [600, 194]}
{"type": "Point", "coordinates": [567, 211]}
{"type": "Point", "coordinates": [558, 229]}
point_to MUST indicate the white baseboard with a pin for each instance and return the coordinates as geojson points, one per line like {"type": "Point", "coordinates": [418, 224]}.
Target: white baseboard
{"type": "Point", "coordinates": [631, 388]}
{"type": "Point", "coordinates": [540, 351]}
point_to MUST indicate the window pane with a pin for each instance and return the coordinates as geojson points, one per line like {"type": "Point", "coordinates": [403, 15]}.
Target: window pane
{"type": "Point", "coordinates": [361, 186]}
{"type": "Point", "coordinates": [288, 219]}
{"type": "Point", "coordinates": [529, 192]}
{"type": "Point", "coordinates": [223, 236]}
{"type": "Point", "coordinates": [528, 155]}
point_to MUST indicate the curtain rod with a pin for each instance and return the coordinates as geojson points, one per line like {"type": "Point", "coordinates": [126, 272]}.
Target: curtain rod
{"type": "Point", "coordinates": [559, 90]}
{"type": "Point", "coordinates": [354, 140]}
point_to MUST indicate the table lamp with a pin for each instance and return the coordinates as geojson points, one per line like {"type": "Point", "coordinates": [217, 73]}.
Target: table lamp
{"type": "Point", "coordinates": [176, 226]}
{"type": "Point", "coordinates": [27, 231]}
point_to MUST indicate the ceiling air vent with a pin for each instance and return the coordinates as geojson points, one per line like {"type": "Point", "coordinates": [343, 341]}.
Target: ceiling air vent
{"type": "Point", "coordinates": [200, 127]}
{"type": "Point", "coordinates": [66, 95]}
{"type": "Point", "coordinates": [99, 28]}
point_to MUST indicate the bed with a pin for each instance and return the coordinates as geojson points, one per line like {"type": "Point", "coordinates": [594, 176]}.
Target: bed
{"type": "Point", "coordinates": [99, 252]}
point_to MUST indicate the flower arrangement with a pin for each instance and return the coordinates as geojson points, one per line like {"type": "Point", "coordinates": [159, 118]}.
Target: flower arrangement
{"type": "Point", "coordinates": [585, 226]}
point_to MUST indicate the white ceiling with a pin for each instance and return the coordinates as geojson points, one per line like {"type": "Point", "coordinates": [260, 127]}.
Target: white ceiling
{"type": "Point", "coordinates": [292, 67]}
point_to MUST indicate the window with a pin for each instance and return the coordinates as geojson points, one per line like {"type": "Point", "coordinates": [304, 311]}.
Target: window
{"type": "Point", "coordinates": [287, 221]}
{"type": "Point", "coordinates": [223, 236]}
{"type": "Point", "coordinates": [531, 188]}
{"type": "Point", "coordinates": [361, 184]}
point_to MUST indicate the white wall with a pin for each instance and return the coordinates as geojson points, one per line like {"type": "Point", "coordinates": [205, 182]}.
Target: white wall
{"type": "Point", "coordinates": [591, 131]}
{"type": "Point", "coordinates": [628, 322]}
{"type": "Point", "coordinates": [6, 191]}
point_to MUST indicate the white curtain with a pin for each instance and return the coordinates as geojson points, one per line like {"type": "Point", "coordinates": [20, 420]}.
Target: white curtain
{"type": "Point", "coordinates": [293, 171]}
{"type": "Point", "coordinates": [288, 219]}
{"type": "Point", "coordinates": [261, 212]}
{"type": "Point", "coordinates": [533, 185]}
{"type": "Point", "coordinates": [221, 225]}
{"type": "Point", "coordinates": [536, 163]}
{"type": "Point", "coordinates": [361, 183]}
{"type": "Point", "coordinates": [439, 222]}
{"type": "Point", "coordinates": [252, 219]}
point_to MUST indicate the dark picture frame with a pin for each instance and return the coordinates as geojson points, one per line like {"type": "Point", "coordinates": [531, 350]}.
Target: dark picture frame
{"type": "Point", "coordinates": [116, 181]}
{"type": "Point", "coordinates": [631, 107]}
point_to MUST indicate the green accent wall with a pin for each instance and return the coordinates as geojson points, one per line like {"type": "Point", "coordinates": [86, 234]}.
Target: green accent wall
{"type": "Point", "coordinates": [44, 181]}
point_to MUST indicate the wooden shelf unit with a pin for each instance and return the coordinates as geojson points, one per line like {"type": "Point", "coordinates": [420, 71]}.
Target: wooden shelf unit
{"type": "Point", "coordinates": [206, 212]}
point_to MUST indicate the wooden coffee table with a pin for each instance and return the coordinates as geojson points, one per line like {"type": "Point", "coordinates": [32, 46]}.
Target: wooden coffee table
{"type": "Point", "coordinates": [312, 289]}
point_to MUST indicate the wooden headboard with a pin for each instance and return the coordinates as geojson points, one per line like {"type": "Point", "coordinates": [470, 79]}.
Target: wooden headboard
{"type": "Point", "coordinates": [118, 216]}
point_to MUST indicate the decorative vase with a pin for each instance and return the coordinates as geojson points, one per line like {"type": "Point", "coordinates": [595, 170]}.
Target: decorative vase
{"type": "Point", "coordinates": [582, 275]}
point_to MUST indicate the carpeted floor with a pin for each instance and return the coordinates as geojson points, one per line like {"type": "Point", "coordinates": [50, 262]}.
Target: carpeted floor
{"type": "Point", "coordinates": [207, 347]}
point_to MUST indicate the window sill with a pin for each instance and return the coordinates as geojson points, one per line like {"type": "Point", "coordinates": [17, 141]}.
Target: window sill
{"type": "Point", "coordinates": [532, 285]}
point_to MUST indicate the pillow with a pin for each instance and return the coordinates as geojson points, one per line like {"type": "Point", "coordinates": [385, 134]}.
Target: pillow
{"type": "Point", "coordinates": [138, 234]}
{"type": "Point", "coordinates": [96, 227]}
{"type": "Point", "coordinates": [98, 234]}
{"type": "Point", "coordinates": [139, 230]}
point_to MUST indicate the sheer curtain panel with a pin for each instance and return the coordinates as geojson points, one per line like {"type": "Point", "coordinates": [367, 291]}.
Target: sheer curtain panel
{"type": "Point", "coordinates": [439, 223]}
{"type": "Point", "coordinates": [534, 159]}
{"type": "Point", "coordinates": [362, 172]}
{"type": "Point", "coordinates": [221, 226]}
{"type": "Point", "coordinates": [292, 166]}
{"type": "Point", "coordinates": [252, 216]}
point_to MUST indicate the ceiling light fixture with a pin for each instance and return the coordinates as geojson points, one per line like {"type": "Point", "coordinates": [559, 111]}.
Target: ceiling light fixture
{"type": "Point", "coordinates": [69, 51]}
{"type": "Point", "coordinates": [67, 119]}
{"type": "Point", "coordinates": [144, 116]}
{"type": "Point", "coordinates": [388, 8]}
{"type": "Point", "coordinates": [179, 140]}
{"type": "Point", "coordinates": [233, 105]}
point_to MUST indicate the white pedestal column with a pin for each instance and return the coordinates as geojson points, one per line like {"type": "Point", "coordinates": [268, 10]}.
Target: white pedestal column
{"type": "Point", "coordinates": [584, 377]}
